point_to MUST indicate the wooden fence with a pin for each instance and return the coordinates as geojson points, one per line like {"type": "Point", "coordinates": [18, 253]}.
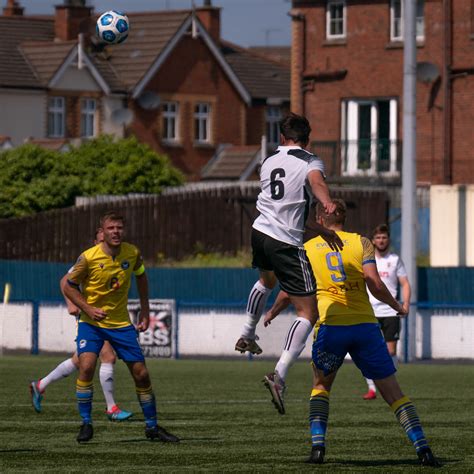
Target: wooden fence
{"type": "Point", "coordinates": [210, 218]}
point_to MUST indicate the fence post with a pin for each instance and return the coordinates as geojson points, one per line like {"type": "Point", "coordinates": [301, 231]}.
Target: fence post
{"type": "Point", "coordinates": [35, 328]}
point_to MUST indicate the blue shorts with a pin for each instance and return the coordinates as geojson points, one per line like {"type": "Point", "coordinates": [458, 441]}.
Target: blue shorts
{"type": "Point", "coordinates": [365, 344]}
{"type": "Point", "coordinates": [124, 341]}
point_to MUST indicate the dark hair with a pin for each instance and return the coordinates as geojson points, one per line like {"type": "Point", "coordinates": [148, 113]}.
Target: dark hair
{"type": "Point", "coordinates": [338, 217]}
{"type": "Point", "coordinates": [295, 127]}
{"type": "Point", "coordinates": [111, 216]}
{"type": "Point", "coordinates": [381, 229]}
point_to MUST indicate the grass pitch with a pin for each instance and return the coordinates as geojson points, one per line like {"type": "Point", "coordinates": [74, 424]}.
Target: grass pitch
{"type": "Point", "coordinates": [223, 414]}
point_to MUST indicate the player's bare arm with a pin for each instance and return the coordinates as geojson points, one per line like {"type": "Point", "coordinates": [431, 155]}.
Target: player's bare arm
{"type": "Point", "coordinates": [72, 292]}
{"type": "Point", "coordinates": [72, 309]}
{"type": "Point", "coordinates": [379, 290]}
{"type": "Point", "coordinates": [405, 290]}
{"type": "Point", "coordinates": [281, 303]}
{"type": "Point", "coordinates": [321, 191]}
{"type": "Point", "coordinates": [142, 287]}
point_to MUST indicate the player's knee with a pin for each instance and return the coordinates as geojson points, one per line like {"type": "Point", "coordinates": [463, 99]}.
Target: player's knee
{"type": "Point", "coordinates": [140, 374]}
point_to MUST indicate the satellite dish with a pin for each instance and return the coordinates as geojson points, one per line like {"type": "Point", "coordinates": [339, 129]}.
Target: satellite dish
{"type": "Point", "coordinates": [149, 100]}
{"type": "Point", "coordinates": [427, 72]}
{"type": "Point", "coordinates": [122, 116]}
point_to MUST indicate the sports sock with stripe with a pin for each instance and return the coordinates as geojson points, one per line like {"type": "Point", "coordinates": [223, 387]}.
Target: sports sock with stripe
{"type": "Point", "coordinates": [64, 369]}
{"type": "Point", "coordinates": [146, 398]}
{"type": "Point", "coordinates": [256, 304]}
{"type": "Point", "coordinates": [106, 377]}
{"type": "Point", "coordinates": [406, 414]}
{"type": "Point", "coordinates": [84, 394]}
{"type": "Point", "coordinates": [294, 344]}
{"type": "Point", "coordinates": [318, 416]}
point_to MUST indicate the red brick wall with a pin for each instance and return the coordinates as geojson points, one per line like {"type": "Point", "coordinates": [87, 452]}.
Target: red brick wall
{"type": "Point", "coordinates": [375, 69]}
{"type": "Point", "coordinates": [191, 74]}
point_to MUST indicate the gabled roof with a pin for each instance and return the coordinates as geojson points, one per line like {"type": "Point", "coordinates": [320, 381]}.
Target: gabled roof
{"type": "Point", "coordinates": [262, 77]}
{"type": "Point", "coordinates": [279, 54]}
{"type": "Point", "coordinates": [233, 162]}
{"type": "Point", "coordinates": [14, 68]}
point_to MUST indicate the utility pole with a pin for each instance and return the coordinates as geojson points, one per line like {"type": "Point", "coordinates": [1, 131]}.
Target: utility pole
{"type": "Point", "coordinates": [409, 202]}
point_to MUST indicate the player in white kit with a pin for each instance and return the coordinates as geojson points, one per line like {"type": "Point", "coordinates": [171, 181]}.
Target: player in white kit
{"type": "Point", "coordinates": [392, 272]}
{"type": "Point", "coordinates": [289, 178]}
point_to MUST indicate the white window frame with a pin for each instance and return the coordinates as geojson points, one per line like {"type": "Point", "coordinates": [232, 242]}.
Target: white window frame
{"type": "Point", "coordinates": [350, 138]}
{"type": "Point", "coordinates": [56, 117]}
{"type": "Point", "coordinates": [202, 122]}
{"type": "Point", "coordinates": [330, 20]}
{"type": "Point", "coordinates": [88, 117]}
{"type": "Point", "coordinates": [170, 129]}
{"type": "Point", "coordinates": [397, 22]}
{"type": "Point", "coordinates": [273, 115]}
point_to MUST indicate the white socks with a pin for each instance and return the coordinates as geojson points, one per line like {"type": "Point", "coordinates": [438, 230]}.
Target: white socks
{"type": "Point", "coordinates": [106, 376]}
{"type": "Point", "coordinates": [395, 361]}
{"type": "Point", "coordinates": [256, 304]}
{"type": "Point", "coordinates": [64, 369]}
{"type": "Point", "coordinates": [294, 344]}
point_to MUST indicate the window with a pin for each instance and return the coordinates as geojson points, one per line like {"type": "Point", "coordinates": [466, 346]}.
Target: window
{"type": "Point", "coordinates": [56, 115]}
{"type": "Point", "coordinates": [369, 137]}
{"type": "Point", "coordinates": [202, 119]}
{"type": "Point", "coordinates": [88, 108]}
{"type": "Point", "coordinates": [170, 121]}
{"type": "Point", "coordinates": [336, 19]}
{"type": "Point", "coordinates": [272, 119]}
{"type": "Point", "coordinates": [396, 23]}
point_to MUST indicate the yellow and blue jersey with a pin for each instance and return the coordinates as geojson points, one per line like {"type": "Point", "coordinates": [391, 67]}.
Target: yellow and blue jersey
{"type": "Point", "coordinates": [341, 291]}
{"type": "Point", "coordinates": [105, 282]}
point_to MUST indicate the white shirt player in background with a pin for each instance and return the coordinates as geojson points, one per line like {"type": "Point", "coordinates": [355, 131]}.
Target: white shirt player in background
{"type": "Point", "coordinates": [289, 179]}
{"type": "Point", "coordinates": [392, 272]}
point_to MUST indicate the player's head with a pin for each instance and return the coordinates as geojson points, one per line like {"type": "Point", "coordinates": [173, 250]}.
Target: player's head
{"type": "Point", "coordinates": [336, 218]}
{"type": "Point", "coordinates": [295, 128]}
{"type": "Point", "coordinates": [99, 236]}
{"type": "Point", "coordinates": [381, 237]}
{"type": "Point", "coordinates": [111, 225]}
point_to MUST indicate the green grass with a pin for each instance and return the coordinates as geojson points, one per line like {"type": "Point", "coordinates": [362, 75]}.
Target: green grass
{"type": "Point", "coordinates": [227, 423]}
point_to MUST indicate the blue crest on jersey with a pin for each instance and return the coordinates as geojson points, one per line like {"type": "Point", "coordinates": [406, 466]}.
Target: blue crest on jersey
{"type": "Point", "coordinates": [125, 265]}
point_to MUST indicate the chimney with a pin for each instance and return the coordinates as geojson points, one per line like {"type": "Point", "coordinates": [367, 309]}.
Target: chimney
{"type": "Point", "coordinates": [211, 19]}
{"type": "Point", "coordinates": [72, 18]}
{"type": "Point", "coordinates": [13, 8]}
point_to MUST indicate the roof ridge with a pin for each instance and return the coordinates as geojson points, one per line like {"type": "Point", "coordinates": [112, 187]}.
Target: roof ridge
{"type": "Point", "coordinates": [253, 53]}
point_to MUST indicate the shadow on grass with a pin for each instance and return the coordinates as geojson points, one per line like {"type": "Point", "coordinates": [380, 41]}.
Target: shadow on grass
{"type": "Point", "coordinates": [20, 450]}
{"type": "Point", "coordinates": [145, 440]}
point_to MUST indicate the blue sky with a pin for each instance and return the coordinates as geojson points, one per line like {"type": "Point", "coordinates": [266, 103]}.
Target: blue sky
{"type": "Point", "coordinates": [245, 22]}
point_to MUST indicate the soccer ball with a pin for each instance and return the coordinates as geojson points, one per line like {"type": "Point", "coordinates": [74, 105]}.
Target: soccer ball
{"type": "Point", "coordinates": [113, 27]}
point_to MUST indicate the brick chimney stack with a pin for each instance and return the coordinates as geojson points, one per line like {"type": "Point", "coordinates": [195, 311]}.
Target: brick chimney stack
{"type": "Point", "coordinates": [13, 8]}
{"type": "Point", "coordinates": [72, 18]}
{"type": "Point", "coordinates": [211, 19]}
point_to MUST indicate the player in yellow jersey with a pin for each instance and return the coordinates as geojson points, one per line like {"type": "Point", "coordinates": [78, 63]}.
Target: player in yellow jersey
{"type": "Point", "coordinates": [68, 366]}
{"type": "Point", "coordinates": [347, 325]}
{"type": "Point", "coordinates": [99, 284]}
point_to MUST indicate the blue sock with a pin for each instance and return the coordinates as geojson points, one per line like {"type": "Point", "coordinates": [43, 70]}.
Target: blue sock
{"type": "Point", "coordinates": [406, 414]}
{"type": "Point", "coordinates": [146, 398]}
{"type": "Point", "coordinates": [318, 416]}
{"type": "Point", "coordinates": [84, 394]}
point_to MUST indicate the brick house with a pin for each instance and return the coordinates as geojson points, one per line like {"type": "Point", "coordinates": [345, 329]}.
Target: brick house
{"type": "Point", "coordinates": [174, 83]}
{"type": "Point", "coordinates": [347, 77]}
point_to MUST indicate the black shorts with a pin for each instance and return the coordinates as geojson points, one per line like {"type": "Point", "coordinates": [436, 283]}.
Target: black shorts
{"type": "Point", "coordinates": [390, 328]}
{"type": "Point", "coordinates": [289, 263]}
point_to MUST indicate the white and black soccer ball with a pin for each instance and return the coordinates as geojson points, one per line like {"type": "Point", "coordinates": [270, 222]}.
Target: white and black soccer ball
{"type": "Point", "coordinates": [113, 27]}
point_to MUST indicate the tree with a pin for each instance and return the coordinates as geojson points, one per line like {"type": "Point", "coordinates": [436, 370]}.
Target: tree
{"type": "Point", "coordinates": [34, 179]}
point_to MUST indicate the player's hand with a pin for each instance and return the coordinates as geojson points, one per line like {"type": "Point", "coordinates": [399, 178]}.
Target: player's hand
{"type": "Point", "coordinates": [406, 309]}
{"type": "Point", "coordinates": [143, 321]}
{"type": "Point", "coordinates": [332, 239]}
{"type": "Point", "coordinates": [269, 317]}
{"type": "Point", "coordinates": [329, 207]}
{"type": "Point", "coordinates": [96, 314]}
{"type": "Point", "coordinates": [402, 311]}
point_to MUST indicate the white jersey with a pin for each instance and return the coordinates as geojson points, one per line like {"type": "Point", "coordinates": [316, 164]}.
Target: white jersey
{"type": "Point", "coordinates": [390, 268]}
{"type": "Point", "coordinates": [286, 194]}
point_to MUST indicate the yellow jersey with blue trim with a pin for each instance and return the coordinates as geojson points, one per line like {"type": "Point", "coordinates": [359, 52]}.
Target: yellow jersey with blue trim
{"type": "Point", "coordinates": [341, 292]}
{"type": "Point", "coordinates": [105, 282]}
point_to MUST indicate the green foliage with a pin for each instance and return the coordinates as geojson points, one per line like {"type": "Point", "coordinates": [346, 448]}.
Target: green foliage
{"type": "Point", "coordinates": [34, 179]}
